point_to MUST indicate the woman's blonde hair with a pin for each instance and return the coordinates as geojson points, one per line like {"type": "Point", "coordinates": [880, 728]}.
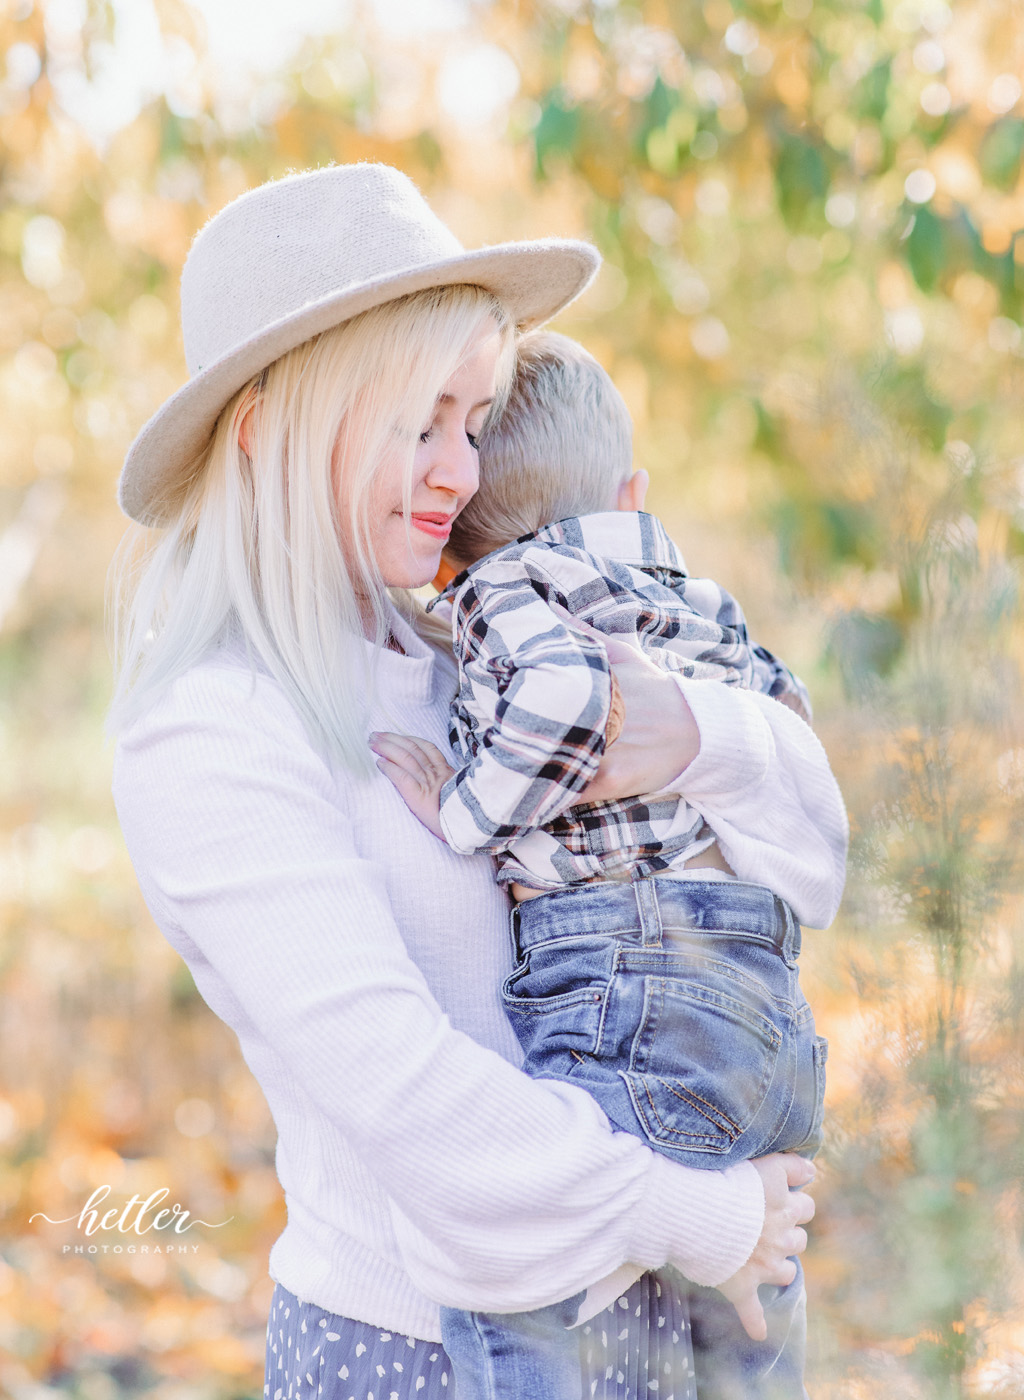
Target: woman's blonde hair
{"type": "Point", "coordinates": [561, 445]}
{"type": "Point", "coordinates": [273, 551]}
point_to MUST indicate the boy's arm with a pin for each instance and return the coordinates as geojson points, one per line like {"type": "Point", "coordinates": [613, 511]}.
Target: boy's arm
{"type": "Point", "coordinates": [419, 770]}
{"type": "Point", "coordinates": [772, 677]}
{"type": "Point", "coordinates": [543, 707]}
{"type": "Point", "coordinates": [541, 695]}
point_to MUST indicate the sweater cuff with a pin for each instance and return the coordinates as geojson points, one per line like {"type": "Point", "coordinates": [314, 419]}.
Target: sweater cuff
{"type": "Point", "coordinates": [705, 1223]}
{"type": "Point", "coordinates": [735, 741]}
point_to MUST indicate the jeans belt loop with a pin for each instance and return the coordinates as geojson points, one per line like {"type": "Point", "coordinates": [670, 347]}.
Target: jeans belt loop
{"type": "Point", "coordinates": [646, 895]}
{"type": "Point", "coordinates": [797, 936]}
{"type": "Point", "coordinates": [790, 944]}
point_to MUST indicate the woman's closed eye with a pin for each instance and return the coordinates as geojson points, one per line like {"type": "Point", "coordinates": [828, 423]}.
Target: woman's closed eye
{"type": "Point", "coordinates": [472, 438]}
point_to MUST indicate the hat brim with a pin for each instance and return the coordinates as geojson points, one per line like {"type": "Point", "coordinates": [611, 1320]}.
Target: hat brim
{"type": "Point", "coordinates": [533, 280]}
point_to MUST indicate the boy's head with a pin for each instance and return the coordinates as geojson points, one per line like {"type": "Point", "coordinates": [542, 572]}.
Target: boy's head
{"type": "Point", "coordinates": [563, 446]}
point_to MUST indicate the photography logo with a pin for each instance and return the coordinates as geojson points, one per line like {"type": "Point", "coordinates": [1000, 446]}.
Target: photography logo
{"type": "Point", "coordinates": [134, 1221]}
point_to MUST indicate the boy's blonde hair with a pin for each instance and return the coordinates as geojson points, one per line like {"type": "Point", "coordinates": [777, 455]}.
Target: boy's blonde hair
{"type": "Point", "coordinates": [272, 550]}
{"type": "Point", "coordinates": [561, 446]}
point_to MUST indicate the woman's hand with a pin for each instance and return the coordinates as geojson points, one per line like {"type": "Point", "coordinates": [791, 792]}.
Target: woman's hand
{"type": "Point", "coordinates": [782, 1235]}
{"type": "Point", "coordinates": [659, 736]}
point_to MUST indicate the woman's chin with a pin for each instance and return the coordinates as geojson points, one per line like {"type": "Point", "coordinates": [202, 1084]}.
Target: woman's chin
{"type": "Point", "coordinates": [415, 573]}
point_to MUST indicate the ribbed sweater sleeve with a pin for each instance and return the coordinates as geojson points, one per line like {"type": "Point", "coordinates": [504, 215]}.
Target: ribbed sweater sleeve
{"type": "Point", "coordinates": [507, 1193]}
{"type": "Point", "coordinates": [762, 782]}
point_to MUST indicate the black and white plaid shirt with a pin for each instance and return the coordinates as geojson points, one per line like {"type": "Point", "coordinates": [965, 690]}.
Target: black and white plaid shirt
{"type": "Point", "coordinates": [534, 696]}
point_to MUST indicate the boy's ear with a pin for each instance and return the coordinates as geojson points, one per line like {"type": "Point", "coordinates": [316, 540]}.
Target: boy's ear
{"type": "Point", "coordinates": [633, 491]}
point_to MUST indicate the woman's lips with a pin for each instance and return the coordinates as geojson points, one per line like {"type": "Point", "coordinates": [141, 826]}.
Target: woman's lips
{"type": "Point", "coordinates": [439, 527]}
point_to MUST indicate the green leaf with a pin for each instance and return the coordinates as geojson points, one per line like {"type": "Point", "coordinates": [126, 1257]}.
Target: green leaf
{"type": "Point", "coordinates": [557, 131]}
{"type": "Point", "coordinates": [660, 104]}
{"type": "Point", "coordinates": [1001, 153]}
{"type": "Point", "coordinates": [817, 533]}
{"type": "Point", "coordinates": [801, 178]}
{"type": "Point", "coordinates": [871, 95]}
{"type": "Point", "coordinates": [926, 248]}
{"type": "Point", "coordinates": [865, 646]}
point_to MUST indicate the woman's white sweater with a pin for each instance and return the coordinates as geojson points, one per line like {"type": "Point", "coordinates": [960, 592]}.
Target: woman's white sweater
{"type": "Point", "coordinates": [359, 962]}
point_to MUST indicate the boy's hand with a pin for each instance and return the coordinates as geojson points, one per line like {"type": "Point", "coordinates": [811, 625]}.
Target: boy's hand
{"type": "Point", "coordinates": [419, 770]}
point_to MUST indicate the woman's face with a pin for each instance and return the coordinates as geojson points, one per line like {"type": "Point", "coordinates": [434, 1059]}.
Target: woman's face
{"type": "Point", "coordinates": [445, 474]}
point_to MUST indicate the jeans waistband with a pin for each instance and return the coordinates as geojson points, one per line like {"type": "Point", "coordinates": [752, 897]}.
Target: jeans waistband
{"type": "Point", "coordinates": [648, 912]}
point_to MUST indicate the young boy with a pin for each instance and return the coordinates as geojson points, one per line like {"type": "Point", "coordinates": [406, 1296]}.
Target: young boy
{"type": "Point", "coordinates": [655, 967]}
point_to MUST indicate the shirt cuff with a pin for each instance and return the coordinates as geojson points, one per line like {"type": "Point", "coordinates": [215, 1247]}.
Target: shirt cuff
{"type": "Point", "coordinates": [705, 1223]}
{"type": "Point", "coordinates": [735, 741]}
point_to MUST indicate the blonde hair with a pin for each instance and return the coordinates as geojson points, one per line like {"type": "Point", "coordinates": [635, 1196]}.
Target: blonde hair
{"type": "Point", "coordinates": [561, 445]}
{"type": "Point", "coordinates": [273, 550]}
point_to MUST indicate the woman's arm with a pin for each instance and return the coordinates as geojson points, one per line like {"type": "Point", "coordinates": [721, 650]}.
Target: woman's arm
{"type": "Point", "coordinates": [762, 782]}
{"type": "Point", "coordinates": [748, 764]}
{"type": "Point", "coordinates": [509, 1193]}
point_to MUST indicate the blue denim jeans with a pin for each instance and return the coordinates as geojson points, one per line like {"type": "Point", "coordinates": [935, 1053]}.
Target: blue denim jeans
{"type": "Point", "coordinates": [677, 1005]}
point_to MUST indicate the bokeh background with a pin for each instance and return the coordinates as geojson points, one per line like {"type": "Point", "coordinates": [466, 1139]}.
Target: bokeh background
{"type": "Point", "coordinates": [812, 215]}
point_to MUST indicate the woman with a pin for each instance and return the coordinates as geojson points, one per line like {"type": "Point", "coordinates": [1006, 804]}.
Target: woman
{"type": "Point", "coordinates": [344, 352]}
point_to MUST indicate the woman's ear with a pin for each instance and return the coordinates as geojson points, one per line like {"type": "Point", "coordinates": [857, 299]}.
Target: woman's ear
{"type": "Point", "coordinates": [633, 491]}
{"type": "Point", "coordinates": [247, 417]}
{"type": "Point", "coordinates": [245, 430]}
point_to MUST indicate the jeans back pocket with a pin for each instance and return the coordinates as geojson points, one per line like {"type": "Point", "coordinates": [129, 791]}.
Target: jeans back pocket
{"type": "Point", "coordinates": [702, 1061]}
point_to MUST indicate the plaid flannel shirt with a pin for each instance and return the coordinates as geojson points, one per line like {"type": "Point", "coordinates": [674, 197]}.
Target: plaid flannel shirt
{"type": "Point", "coordinates": [528, 723]}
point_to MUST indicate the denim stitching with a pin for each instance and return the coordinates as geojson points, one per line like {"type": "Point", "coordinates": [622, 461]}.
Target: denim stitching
{"type": "Point", "coordinates": [710, 997]}
{"type": "Point", "coordinates": [688, 1096]}
{"type": "Point", "coordinates": [773, 1037]}
{"type": "Point", "coordinates": [637, 962]}
{"type": "Point", "coordinates": [681, 1132]}
{"type": "Point", "coordinates": [605, 999]}
{"type": "Point", "coordinates": [486, 1355]}
{"type": "Point", "coordinates": [541, 1006]}
{"type": "Point", "coordinates": [711, 1141]}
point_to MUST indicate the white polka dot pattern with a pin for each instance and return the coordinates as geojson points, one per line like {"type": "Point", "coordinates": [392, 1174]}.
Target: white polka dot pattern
{"type": "Point", "coordinates": [637, 1349]}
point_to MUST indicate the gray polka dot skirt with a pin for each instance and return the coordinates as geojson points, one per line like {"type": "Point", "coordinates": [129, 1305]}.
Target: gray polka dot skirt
{"type": "Point", "coordinates": [638, 1347]}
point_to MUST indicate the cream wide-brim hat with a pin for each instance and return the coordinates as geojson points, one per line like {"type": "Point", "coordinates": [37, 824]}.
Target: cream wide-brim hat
{"type": "Point", "coordinates": [297, 256]}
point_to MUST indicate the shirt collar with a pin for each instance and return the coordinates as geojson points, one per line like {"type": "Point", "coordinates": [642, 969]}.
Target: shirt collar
{"type": "Point", "coordinates": [630, 537]}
